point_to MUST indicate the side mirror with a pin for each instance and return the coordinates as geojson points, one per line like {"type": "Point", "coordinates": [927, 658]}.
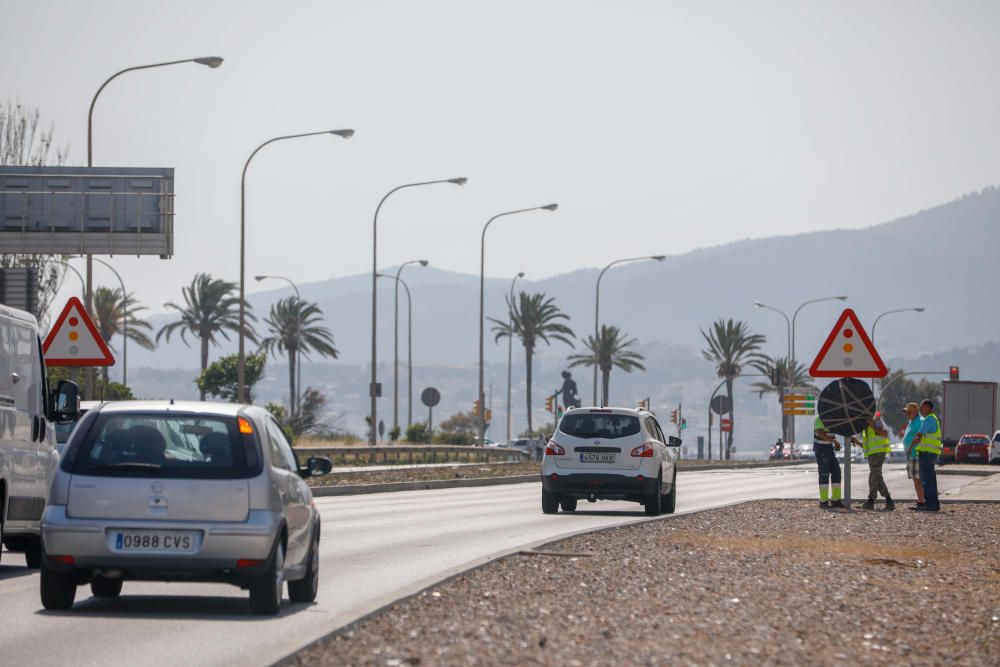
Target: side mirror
{"type": "Point", "coordinates": [316, 466]}
{"type": "Point", "coordinates": [65, 402]}
{"type": "Point", "coordinates": [673, 441]}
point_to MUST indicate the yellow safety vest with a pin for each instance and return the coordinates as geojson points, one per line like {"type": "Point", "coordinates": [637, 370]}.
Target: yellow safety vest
{"type": "Point", "coordinates": [873, 443]}
{"type": "Point", "coordinates": [931, 442]}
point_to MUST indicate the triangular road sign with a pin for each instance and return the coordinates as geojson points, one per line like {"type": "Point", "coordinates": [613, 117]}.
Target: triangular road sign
{"type": "Point", "coordinates": [848, 352]}
{"type": "Point", "coordinates": [75, 341]}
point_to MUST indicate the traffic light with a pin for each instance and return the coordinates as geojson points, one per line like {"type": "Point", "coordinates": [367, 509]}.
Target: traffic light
{"type": "Point", "coordinates": [953, 373]}
{"type": "Point", "coordinates": [476, 407]}
{"type": "Point", "coordinates": [489, 416]}
{"type": "Point", "coordinates": [559, 411]}
{"type": "Point", "coordinates": [776, 376]}
{"type": "Point", "coordinates": [684, 424]}
{"type": "Point", "coordinates": [550, 404]}
{"type": "Point", "coordinates": [673, 416]}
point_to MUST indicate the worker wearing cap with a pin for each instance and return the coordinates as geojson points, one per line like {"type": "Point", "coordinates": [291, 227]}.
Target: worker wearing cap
{"type": "Point", "coordinates": [824, 446]}
{"type": "Point", "coordinates": [912, 411]}
{"type": "Point", "coordinates": [928, 442]}
{"type": "Point", "coordinates": [875, 444]}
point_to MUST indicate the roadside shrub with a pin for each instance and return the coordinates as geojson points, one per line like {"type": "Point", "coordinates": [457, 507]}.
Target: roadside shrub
{"type": "Point", "coordinates": [464, 438]}
{"type": "Point", "coordinates": [416, 433]}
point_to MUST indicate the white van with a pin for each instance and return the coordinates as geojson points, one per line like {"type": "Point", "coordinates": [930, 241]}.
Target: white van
{"type": "Point", "coordinates": [28, 456]}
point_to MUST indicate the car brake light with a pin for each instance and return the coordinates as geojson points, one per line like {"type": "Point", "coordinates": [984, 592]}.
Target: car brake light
{"type": "Point", "coordinates": [644, 450]}
{"type": "Point", "coordinates": [248, 562]}
{"type": "Point", "coordinates": [64, 560]}
{"type": "Point", "coordinates": [552, 449]}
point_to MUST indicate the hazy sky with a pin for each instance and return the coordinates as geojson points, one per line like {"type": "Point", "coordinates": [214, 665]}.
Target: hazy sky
{"type": "Point", "coordinates": [657, 126]}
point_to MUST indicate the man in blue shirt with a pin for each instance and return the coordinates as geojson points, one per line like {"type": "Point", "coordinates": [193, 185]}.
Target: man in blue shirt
{"type": "Point", "coordinates": [912, 411]}
{"type": "Point", "coordinates": [928, 446]}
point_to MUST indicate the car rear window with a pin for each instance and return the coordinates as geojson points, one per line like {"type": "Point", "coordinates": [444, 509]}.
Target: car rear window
{"type": "Point", "coordinates": [607, 426]}
{"type": "Point", "coordinates": [974, 441]}
{"type": "Point", "coordinates": [166, 446]}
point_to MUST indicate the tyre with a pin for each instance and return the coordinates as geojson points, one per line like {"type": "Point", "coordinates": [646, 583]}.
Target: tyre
{"type": "Point", "coordinates": [651, 503]}
{"type": "Point", "coordinates": [568, 504]}
{"type": "Point", "coordinates": [265, 590]}
{"type": "Point", "coordinates": [33, 553]}
{"type": "Point", "coordinates": [550, 503]}
{"type": "Point", "coordinates": [106, 588]}
{"type": "Point", "coordinates": [58, 590]}
{"type": "Point", "coordinates": [306, 588]}
{"type": "Point", "coordinates": [668, 503]}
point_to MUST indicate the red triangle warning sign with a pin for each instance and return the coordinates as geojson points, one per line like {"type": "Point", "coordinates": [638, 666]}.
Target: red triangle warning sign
{"type": "Point", "coordinates": [848, 352]}
{"type": "Point", "coordinates": [75, 341]}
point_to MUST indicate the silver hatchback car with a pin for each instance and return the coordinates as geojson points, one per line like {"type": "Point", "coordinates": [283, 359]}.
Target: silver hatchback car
{"type": "Point", "coordinates": [186, 491]}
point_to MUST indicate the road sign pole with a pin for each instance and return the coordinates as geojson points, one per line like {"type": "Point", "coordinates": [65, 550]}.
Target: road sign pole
{"type": "Point", "coordinates": [847, 472]}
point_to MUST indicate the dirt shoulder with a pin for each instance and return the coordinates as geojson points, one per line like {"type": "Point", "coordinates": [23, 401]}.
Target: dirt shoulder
{"type": "Point", "coordinates": [759, 583]}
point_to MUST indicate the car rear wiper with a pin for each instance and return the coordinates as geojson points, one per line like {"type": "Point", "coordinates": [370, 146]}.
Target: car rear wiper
{"type": "Point", "coordinates": [128, 465]}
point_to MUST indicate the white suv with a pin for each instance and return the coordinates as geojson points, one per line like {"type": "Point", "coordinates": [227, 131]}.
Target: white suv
{"type": "Point", "coordinates": [610, 454]}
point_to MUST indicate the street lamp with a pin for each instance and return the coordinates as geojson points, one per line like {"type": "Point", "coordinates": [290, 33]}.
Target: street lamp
{"type": "Point", "coordinates": [793, 363]}
{"type": "Point", "coordinates": [597, 303]}
{"type": "Point", "coordinates": [395, 347]}
{"type": "Point", "coordinates": [482, 306]}
{"type": "Point", "coordinates": [209, 61]}
{"type": "Point", "coordinates": [788, 361]}
{"type": "Point", "coordinates": [409, 343]}
{"type": "Point", "coordinates": [461, 180]}
{"type": "Point", "coordinates": [242, 366]}
{"type": "Point", "coordinates": [294, 400]}
{"type": "Point", "coordinates": [890, 312]}
{"type": "Point", "coordinates": [510, 345]}
{"type": "Point", "coordinates": [124, 320]}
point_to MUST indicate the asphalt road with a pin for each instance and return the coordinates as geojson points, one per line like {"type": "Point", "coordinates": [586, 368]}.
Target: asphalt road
{"type": "Point", "coordinates": [376, 549]}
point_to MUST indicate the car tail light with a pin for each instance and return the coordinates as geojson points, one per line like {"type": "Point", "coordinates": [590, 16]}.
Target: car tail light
{"type": "Point", "coordinates": [64, 560]}
{"type": "Point", "coordinates": [552, 449]}
{"type": "Point", "coordinates": [248, 562]}
{"type": "Point", "coordinates": [644, 451]}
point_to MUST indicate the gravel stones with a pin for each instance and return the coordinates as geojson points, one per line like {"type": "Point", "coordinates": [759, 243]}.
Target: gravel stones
{"type": "Point", "coordinates": [761, 583]}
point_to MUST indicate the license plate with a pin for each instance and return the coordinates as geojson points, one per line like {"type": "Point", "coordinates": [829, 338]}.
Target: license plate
{"type": "Point", "coordinates": [592, 457]}
{"type": "Point", "coordinates": [154, 541]}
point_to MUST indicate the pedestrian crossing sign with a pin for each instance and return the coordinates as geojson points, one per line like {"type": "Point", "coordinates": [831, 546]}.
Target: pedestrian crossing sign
{"type": "Point", "coordinates": [848, 352]}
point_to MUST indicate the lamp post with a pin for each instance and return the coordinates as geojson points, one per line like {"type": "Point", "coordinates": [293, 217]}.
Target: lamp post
{"type": "Point", "coordinates": [124, 319]}
{"type": "Point", "coordinates": [294, 400]}
{"type": "Point", "coordinates": [890, 312]}
{"type": "Point", "coordinates": [395, 347]}
{"type": "Point", "coordinates": [510, 345]}
{"type": "Point", "coordinates": [461, 180]}
{"type": "Point", "coordinates": [788, 359]}
{"type": "Point", "coordinates": [83, 283]}
{"type": "Point", "coordinates": [209, 61]}
{"type": "Point", "coordinates": [793, 363]}
{"type": "Point", "coordinates": [597, 303]}
{"type": "Point", "coordinates": [482, 307]}
{"type": "Point", "coordinates": [409, 342]}
{"type": "Point", "coordinates": [242, 365]}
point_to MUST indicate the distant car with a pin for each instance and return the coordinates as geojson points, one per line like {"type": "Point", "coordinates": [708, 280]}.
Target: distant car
{"type": "Point", "coordinates": [65, 428]}
{"type": "Point", "coordinates": [995, 449]}
{"type": "Point", "coordinates": [973, 447]}
{"type": "Point", "coordinates": [804, 451]}
{"type": "Point", "coordinates": [898, 453]}
{"type": "Point", "coordinates": [610, 454]}
{"type": "Point", "coordinates": [947, 452]}
{"type": "Point", "coordinates": [186, 491]}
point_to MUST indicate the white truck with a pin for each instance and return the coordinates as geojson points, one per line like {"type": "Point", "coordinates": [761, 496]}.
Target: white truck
{"type": "Point", "coordinates": [28, 456]}
{"type": "Point", "coordinates": [967, 407]}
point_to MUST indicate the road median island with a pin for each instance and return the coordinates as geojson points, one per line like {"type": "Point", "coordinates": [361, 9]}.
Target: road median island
{"type": "Point", "coordinates": [769, 582]}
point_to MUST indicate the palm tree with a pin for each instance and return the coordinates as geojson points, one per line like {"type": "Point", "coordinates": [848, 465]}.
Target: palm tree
{"type": "Point", "coordinates": [731, 346]}
{"type": "Point", "coordinates": [610, 349]}
{"type": "Point", "coordinates": [294, 327]}
{"type": "Point", "coordinates": [533, 319]}
{"type": "Point", "coordinates": [210, 309]}
{"type": "Point", "coordinates": [781, 377]}
{"type": "Point", "coordinates": [109, 307]}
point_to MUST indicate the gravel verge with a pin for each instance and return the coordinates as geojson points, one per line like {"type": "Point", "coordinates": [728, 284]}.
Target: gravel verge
{"type": "Point", "coordinates": [771, 582]}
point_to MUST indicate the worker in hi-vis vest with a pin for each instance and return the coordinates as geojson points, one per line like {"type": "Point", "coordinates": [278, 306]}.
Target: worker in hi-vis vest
{"type": "Point", "coordinates": [825, 446]}
{"type": "Point", "coordinates": [875, 443]}
{"type": "Point", "coordinates": [928, 442]}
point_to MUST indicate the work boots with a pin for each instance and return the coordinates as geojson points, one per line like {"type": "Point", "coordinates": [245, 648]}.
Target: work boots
{"type": "Point", "coordinates": [889, 505]}
{"type": "Point", "coordinates": [837, 503]}
{"type": "Point", "coordinates": [869, 504]}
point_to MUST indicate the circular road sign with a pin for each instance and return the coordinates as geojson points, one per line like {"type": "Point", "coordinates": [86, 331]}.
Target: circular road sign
{"type": "Point", "coordinates": [846, 406]}
{"type": "Point", "coordinates": [430, 397]}
{"type": "Point", "coordinates": [721, 404]}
